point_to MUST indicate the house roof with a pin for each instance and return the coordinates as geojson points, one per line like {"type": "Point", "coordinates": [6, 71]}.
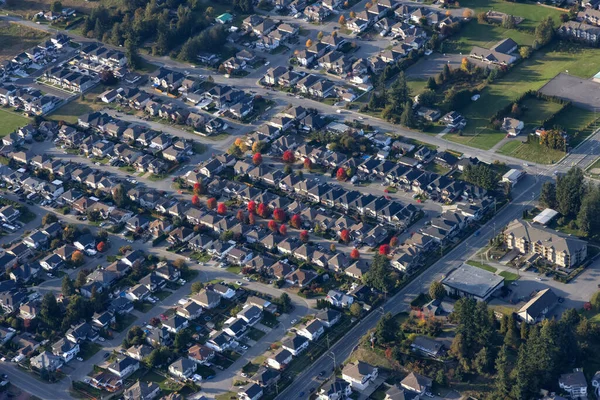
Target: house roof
{"type": "Point", "coordinates": [358, 371]}
{"type": "Point", "coordinates": [473, 280]}
{"type": "Point", "coordinates": [416, 382]}
{"type": "Point", "coordinates": [542, 300]}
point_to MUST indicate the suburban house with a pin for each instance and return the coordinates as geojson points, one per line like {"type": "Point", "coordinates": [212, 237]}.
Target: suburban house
{"type": "Point", "coordinates": [183, 368]}
{"type": "Point", "coordinates": [359, 375]}
{"type": "Point", "coordinates": [417, 383]}
{"type": "Point", "coordinates": [536, 309]}
{"type": "Point", "coordinates": [502, 53]}
{"type": "Point", "coordinates": [574, 383]}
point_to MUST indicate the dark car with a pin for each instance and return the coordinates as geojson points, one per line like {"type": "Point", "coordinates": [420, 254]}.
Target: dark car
{"type": "Point", "coordinates": [106, 355]}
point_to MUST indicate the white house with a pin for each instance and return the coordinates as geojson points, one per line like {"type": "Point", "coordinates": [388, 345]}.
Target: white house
{"type": "Point", "coordinates": [359, 375]}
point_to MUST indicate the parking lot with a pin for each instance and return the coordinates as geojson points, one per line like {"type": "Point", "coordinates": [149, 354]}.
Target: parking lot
{"type": "Point", "coordinates": [581, 92]}
{"type": "Point", "coordinates": [575, 293]}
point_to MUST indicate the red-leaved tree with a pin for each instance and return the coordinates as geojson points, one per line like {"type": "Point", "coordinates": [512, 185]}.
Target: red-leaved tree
{"type": "Point", "coordinates": [394, 241]}
{"type": "Point", "coordinates": [272, 225]}
{"type": "Point", "coordinates": [222, 208]}
{"type": "Point", "coordinates": [257, 159]}
{"type": "Point", "coordinates": [304, 236]}
{"type": "Point", "coordinates": [384, 249]}
{"type": "Point", "coordinates": [211, 203]}
{"type": "Point", "coordinates": [345, 235]}
{"type": "Point", "coordinates": [240, 216]}
{"type": "Point", "coordinates": [283, 229]}
{"type": "Point", "coordinates": [341, 174]}
{"type": "Point", "coordinates": [251, 218]}
{"type": "Point", "coordinates": [288, 157]}
{"type": "Point", "coordinates": [196, 200]}
{"type": "Point", "coordinates": [252, 207]}
{"type": "Point", "coordinates": [307, 163]}
{"type": "Point", "coordinates": [263, 210]}
{"type": "Point", "coordinates": [355, 254]}
{"type": "Point", "coordinates": [296, 221]}
{"type": "Point", "coordinates": [197, 188]}
{"type": "Point", "coordinates": [279, 215]}
{"type": "Point", "coordinates": [101, 247]}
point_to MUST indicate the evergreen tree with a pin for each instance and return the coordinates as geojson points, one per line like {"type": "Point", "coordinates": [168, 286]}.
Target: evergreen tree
{"type": "Point", "coordinates": [385, 329]}
{"type": "Point", "coordinates": [483, 361]}
{"type": "Point", "coordinates": [570, 189]}
{"type": "Point", "coordinates": [548, 195]}
{"type": "Point", "coordinates": [521, 386]}
{"type": "Point", "coordinates": [68, 288]}
{"type": "Point", "coordinates": [588, 217]}
{"type": "Point", "coordinates": [436, 290]}
{"type": "Point", "coordinates": [502, 383]}
{"type": "Point", "coordinates": [49, 311]}
{"type": "Point", "coordinates": [408, 117]}
{"type": "Point", "coordinates": [524, 330]}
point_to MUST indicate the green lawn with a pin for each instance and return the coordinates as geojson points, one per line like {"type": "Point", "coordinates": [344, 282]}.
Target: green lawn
{"type": "Point", "coordinates": [255, 334]}
{"type": "Point", "coordinates": [88, 349]}
{"type": "Point", "coordinates": [10, 121]}
{"type": "Point", "coordinates": [531, 74]}
{"type": "Point", "coordinates": [481, 265]}
{"type": "Point", "coordinates": [485, 35]}
{"type": "Point", "coordinates": [70, 112]}
{"type": "Point", "coordinates": [15, 38]}
{"type": "Point", "coordinates": [532, 12]}
{"type": "Point", "coordinates": [509, 277]}
{"type": "Point", "coordinates": [536, 111]}
{"type": "Point", "coordinates": [416, 86]}
{"type": "Point", "coordinates": [575, 121]}
{"type": "Point", "coordinates": [533, 152]}
{"type": "Point", "coordinates": [484, 139]}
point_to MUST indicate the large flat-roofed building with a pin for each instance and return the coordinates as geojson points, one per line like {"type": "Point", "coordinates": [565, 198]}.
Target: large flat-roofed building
{"type": "Point", "coordinates": [472, 282]}
{"type": "Point", "coordinates": [513, 176]}
{"type": "Point", "coordinates": [563, 250]}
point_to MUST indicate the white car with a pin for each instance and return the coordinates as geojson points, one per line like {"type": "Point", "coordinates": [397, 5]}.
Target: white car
{"type": "Point", "coordinates": [292, 322]}
{"type": "Point", "coordinates": [267, 63]}
{"type": "Point", "coordinates": [239, 283]}
{"type": "Point", "coordinates": [79, 359]}
{"type": "Point", "coordinates": [182, 301]}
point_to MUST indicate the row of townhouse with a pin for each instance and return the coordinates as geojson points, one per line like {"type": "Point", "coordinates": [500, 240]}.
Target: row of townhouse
{"type": "Point", "coordinates": [103, 56]}
{"type": "Point", "coordinates": [27, 99]}
{"type": "Point", "coordinates": [67, 79]}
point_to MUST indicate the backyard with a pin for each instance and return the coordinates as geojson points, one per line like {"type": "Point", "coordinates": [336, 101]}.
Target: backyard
{"type": "Point", "coordinates": [532, 151]}
{"type": "Point", "coordinates": [485, 35]}
{"type": "Point", "coordinates": [10, 121]}
{"type": "Point", "coordinates": [533, 13]}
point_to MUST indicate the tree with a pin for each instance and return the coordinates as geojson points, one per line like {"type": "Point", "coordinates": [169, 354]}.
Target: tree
{"type": "Point", "coordinates": [272, 225]}
{"type": "Point", "coordinates": [320, 36]}
{"type": "Point", "coordinates": [345, 235]}
{"type": "Point", "coordinates": [427, 98]}
{"type": "Point", "coordinates": [465, 65]}
{"type": "Point", "coordinates": [251, 219]}
{"type": "Point", "coordinates": [483, 361]}
{"type": "Point", "coordinates": [355, 254]}
{"type": "Point", "coordinates": [309, 43]}
{"type": "Point", "coordinates": [288, 157]}
{"type": "Point", "coordinates": [56, 7]}
{"type": "Point", "coordinates": [304, 236]}
{"type": "Point", "coordinates": [569, 192]}
{"type": "Point", "coordinates": [240, 216]}
{"type": "Point", "coordinates": [50, 312]}
{"type": "Point", "coordinates": [341, 174]}
{"type": "Point", "coordinates": [68, 289]}
{"type": "Point", "coordinates": [481, 18]}
{"type": "Point", "coordinates": [384, 249]}
{"type": "Point", "coordinates": [279, 215]}
{"type": "Point", "coordinates": [81, 279]}
{"type": "Point", "coordinates": [521, 386]}
{"type": "Point", "coordinates": [284, 302]}
{"type": "Point", "coordinates": [352, 14]}
{"type": "Point", "coordinates": [101, 247]}
{"type": "Point", "coordinates": [481, 175]}
{"type": "Point", "coordinates": [588, 217]}
{"type": "Point", "coordinates": [263, 210]}
{"type": "Point", "coordinates": [258, 146]}
{"type": "Point", "coordinates": [393, 241]}
{"type": "Point", "coordinates": [548, 195]}
{"type": "Point", "coordinates": [222, 208]}
{"type": "Point", "coordinates": [509, 21]}
{"type": "Point", "coordinates": [430, 85]}
{"type": "Point", "coordinates": [211, 203]}
{"type": "Point", "coordinates": [196, 201]}
{"type": "Point", "coordinates": [355, 310]}
{"type": "Point", "coordinates": [467, 14]}
{"type": "Point", "coordinates": [197, 287]}
{"type": "Point", "coordinates": [524, 331]}
{"type": "Point", "coordinates": [77, 257]}
{"type": "Point", "coordinates": [257, 159]}
{"type": "Point", "coordinates": [283, 230]}
{"type": "Point", "coordinates": [378, 275]}
{"type": "Point", "coordinates": [252, 207]}
{"type": "Point", "coordinates": [385, 329]}
{"type": "Point", "coordinates": [525, 52]}
{"type": "Point", "coordinates": [198, 188]}
{"type": "Point", "coordinates": [437, 290]}
{"type": "Point", "coordinates": [182, 338]}
{"type": "Point", "coordinates": [118, 195]}
{"type": "Point", "coordinates": [49, 218]}
{"type": "Point", "coordinates": [307, 164]}
{"type": "Point", "coordinates": [511, 337]}
{"type": "Point", "coordinates": [342, 20]}
{"type": "Point", "coordinates": [296, 221]}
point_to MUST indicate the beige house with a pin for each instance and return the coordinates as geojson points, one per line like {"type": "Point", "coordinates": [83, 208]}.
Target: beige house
{"type": "Point", "coordinates": [560, 249]}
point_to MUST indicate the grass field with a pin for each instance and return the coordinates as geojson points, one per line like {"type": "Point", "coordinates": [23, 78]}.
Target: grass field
{"type": "Point", "coordinates": [531, 74]}
{"type": "Point", "coordinates": [416, 86]}
{"type": "Point", "coordinates": [533, 152]}
{"type": "Point", "coordinates": [532, 13]}
{"type": "Point", "coordinates": [536, 111]}
{"type": "Point", "coordinates": [16, 38]}
{"type": "Point", "coordinates": [575, 121]}
{"type": "Point", "coordinates": [485, 35]}
{"type": "Point", "coordinates": [10, 121]}
{"type": "Point", "coordinates": [24, 7]}
{"type": "Point", "coordinates": [509, 277]}
{"type": "Point", "coordinates": [73, 110]}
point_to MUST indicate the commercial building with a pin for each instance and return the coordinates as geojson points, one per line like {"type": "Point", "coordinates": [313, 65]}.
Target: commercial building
{"type": "Point", "coordinates": [472, 282]}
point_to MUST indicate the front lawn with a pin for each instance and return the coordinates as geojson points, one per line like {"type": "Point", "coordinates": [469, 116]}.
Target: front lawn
{"type": "Point", "coordinates": [163, 294]}
{"type": "Point", "coordinates": [484, 35]}
{"type": "Point", "coordinates": [578, 123]}
{"type": "Point", "coordinates": [485, 138]}
{"type": "Point", "coordinates": [255, 334]}
{"type": "Point", "coordinates": [10, 122]}
{"type": "Point", "coordinates": [481, 265]}
{"type": "Point", "coordinates": [536, 111]}
{"type": "Point", "coordinates": [509, 277]}
{"type": "Point", "coordinates": [88, 349]}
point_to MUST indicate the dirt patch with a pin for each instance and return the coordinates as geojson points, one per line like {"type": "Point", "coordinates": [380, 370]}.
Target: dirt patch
{"type": "Point", "coordinates": [17, 38]}
{"type": "Point", "coordinates": [25, 7]}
